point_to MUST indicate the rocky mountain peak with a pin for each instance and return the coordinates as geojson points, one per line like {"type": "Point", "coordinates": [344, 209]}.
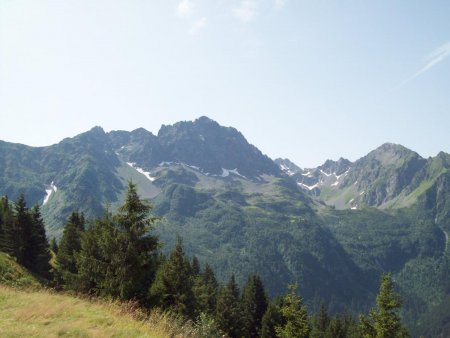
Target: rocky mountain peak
{"type": "Point", "coordinates": [288, 166]}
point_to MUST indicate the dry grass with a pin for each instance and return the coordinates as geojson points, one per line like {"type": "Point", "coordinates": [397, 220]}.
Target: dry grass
{"type": "Point", "coordinates": [46, 314]}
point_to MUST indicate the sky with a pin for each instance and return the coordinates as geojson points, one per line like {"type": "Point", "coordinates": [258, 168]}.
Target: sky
{"type": "Point", "coordinates": [305, 80]}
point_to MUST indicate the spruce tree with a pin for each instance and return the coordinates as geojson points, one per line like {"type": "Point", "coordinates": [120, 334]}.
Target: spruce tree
{"type": "Point", "coordinates": [133, 262]}
{"type": "Point", "coordinates": [320, 323]}
{"type": "Point", "coordinates": [54, 245]}
{"type": "Point", "coordinates": [7, 236]}
{"type": "Point", "coordinates": [272, 318]}
{"type": "Point", "coordinates": [69, 244]}
{"type": "Point", "coordinates": [38, 247]}
{"type": "Point", "coordinates": [228, 309]}
{"type": "Point", "coordinates": [77, 219]}
{"type": "Point", "coordinates": [384, 320]}
{"type": "Point", "coordinates": [22, 232]}
{"type": "Point", "coordinates": [118, 254]}
{"type": "Point", "coordinates": [205, 291]}
{"type": "Point", "coordinates": [195, 266]}
{"type": "Point", "coordinates": [295, 316]}
{"type": "Point", "coordinates": [91, 264]}
{"type": "Point", "coordinates": [343, 326]}
{"type": "Point", "coordinates": [172, 288]}
{"type": "Point", "coordinates": [254, 305]}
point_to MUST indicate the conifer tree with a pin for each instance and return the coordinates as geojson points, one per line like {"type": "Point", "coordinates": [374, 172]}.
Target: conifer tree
{"type": "Point", "coordinates": [272, 318]}
{"type": "Point", "coordinates": [295, 316]}
{"type": "Point", "coordinates": [205, 291]}
{"type": "Point", "coordinates": [7, 236]}
{"type": "Point", "coordinates": [38, 247]}
{"type": "Point", "coordinates": [254, 305]}
{"type": "Point", "coordinates": [118, 254]}
{"type": "Point", "coordinates": [22, 232]}
{"type": "Point", "coordinates": [228, 309]}
{"type": "Point", "coordinates": [195, 266]}
{"type": "Point", "coordinates": [172, 288]}
{"type": "Point", "coordinates": [384, 320]}
{"type": "Point", "coordinates": [77, 219]}
{"type": "Point", "coordinates": [69, 244]}
{"type": "Point", "coordinates": [343, 326]}
{"type": "Point", "coordinates": [133, 262]}
{"type": "Point", "coordinates": [320, 323]}
{"type": "Point", "coordinates": [54, 245]}
{"type": "Point", "coordinates": [91, 265]}
{"type": "Point", "coordinates": [1, 225]}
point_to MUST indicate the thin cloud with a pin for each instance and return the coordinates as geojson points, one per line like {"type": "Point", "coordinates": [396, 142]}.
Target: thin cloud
{"type": "Point", "coordinates": [197, 26]}
{"type": "Point", "coordinates": [185, 8]}
{"type": "Point", "coordinates": [247, 10]}
{"type": "Point", "coordinates": [279, 4]}
{"type": "Point", "coordinates": [435, 57]}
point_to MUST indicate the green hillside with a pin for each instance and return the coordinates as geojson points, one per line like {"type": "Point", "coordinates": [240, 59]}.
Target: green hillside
{"type": "Point", "coordinates": [46, 314]}
{"type": "Point", "coordinates": [43, 313]}
{"type": "Point", "coordinates": [13, 274]}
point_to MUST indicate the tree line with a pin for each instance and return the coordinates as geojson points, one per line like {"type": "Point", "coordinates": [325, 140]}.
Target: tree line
{"type": "Point", "coordinates": [117, 256]}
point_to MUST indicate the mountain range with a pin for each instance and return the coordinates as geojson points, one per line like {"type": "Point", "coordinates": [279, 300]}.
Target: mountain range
{"type": "Point", "coordinates": [331, 229]}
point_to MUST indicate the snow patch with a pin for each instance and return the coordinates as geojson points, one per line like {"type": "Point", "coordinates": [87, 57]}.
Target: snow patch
{"type": "Point", "coordinates": [308, 174]}
{"type": "Point", "coordinates": [309, 187]}
{"type": "Point", "coordinates": [354, 208]}
{"type": "Point", "coordinates": [162, 164]}
{"type": "Point", "coordinates": [361, 193]}
{"type": "Point", "coordinates": [335, 184]}
{"type": "Point", "coordinates": [343, 174]}
{"type": "Point", "coordinates": [284, 167]}
{"type": "Point", "coordinates": [193, 167]}
{"type": "Point", "coordinates": [287, 170]}
{"type": "Point", "coordinates": [323, 172]}
{"type": "Point", "coordinates": [141, 171]}
{"type": "Point", "coordinates": [227, 172]}
{"type": "Point", "coordinates": [49, 191]}
{"type": "Point", "coordinates": [350, 202]}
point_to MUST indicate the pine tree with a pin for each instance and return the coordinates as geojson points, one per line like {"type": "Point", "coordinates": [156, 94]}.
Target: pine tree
{"type": "Point", "coordinates": [133, 264]}
{"type": "Point", "coordinates": [22, 232]}
{"type": "Point", "coordinates": [69, 244]}
{"type": "Point", "coordinates": [228, 309]}
{"type": "Point", "coordinates": [254, 305]}
{"type": "Point", "coordinates": [77, 219]}
{"type": "Point", "coordinates": [7, 236]}
{"type": "Point", "coordinates": [272, 318]}
{"type": "Point", "coordinates": [118, 254]}
{"type": "Point", "coordinates": [195, 266]}
{"type": "Point", "coordinates": [295, 316]}
{"type": "Point", "coordinates": [91, 265]}
{"type": "Point", "coordinates": [320, 323]}
{"type": "Point", "coordinates": [1, 225]}
{"type": "Point", "coordinates": [336, 329]}
{"type": "Point", "coordinates": [384, 320]}
{"type": "Point", "coordinates": [172, 288]}
{"type": "Point", "coordinates": [205, 291]}
{"type": "Point", "coordinates": [54, 245]}
{"type": "Point", "coordinates": [343, 326]}
{"type": "Point", "coordinates": [38, 246]}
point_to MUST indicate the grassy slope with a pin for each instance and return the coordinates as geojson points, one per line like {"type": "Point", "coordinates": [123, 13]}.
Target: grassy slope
{"type": "Point", "coordinates": [13, 274]}
{"type": "Point", "coordinates": [28, 310]}
{"type": "Point", "coordinates": [44, 314]}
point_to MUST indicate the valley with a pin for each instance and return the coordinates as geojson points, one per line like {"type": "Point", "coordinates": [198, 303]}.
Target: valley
{"type": "Point", "coordinates": [332, 229]}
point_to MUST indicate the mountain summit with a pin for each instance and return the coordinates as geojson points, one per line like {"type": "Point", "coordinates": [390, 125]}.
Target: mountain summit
{"type": "Point", "coordinates": [202, 143]}
{"type": "Point", "coordinates": [333, 228]}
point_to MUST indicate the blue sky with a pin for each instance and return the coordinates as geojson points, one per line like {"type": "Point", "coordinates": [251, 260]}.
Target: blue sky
{"type": "Point", "coordinates": [308, 80]}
